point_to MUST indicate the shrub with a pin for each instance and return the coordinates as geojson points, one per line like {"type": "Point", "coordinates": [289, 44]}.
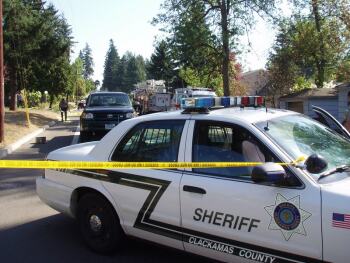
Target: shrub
{"type": "Point", "coordinates": [34, 98]}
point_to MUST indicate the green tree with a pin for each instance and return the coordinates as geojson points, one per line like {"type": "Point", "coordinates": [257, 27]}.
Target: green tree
{"type": "Point", "coordinates": [141, 68]}
{"type": "Point", "coordinates": [228, 18]}
{"type": "Point", "coordinates": [161, 65]}
{"type": "Point", "coordinates": [131, 70]}
{"type": "Point", "coordinates": [120, 73]}
{"type": "Point", "coordinates": [328, 34]}
{"type": "Point", "coordinates": [87, 62]}
{"type": "Point", "coordinates": [110, 79]}
{"type": "Point", "coordinates": [76, 86]}
{"type": "Point", "coordinates": [195, 47]}
{"type": "Point", "coordinates": [81, 55]}
{"type": "Point", "coordinates": [37, 44]}
{"type": "Point", "coordinates": [343, 72]}
{"type": "Point", "coordinates": [300, 58]}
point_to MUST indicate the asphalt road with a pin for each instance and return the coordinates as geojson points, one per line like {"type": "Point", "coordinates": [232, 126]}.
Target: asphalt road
{"type": "Point", "coordinates": [30, 231]}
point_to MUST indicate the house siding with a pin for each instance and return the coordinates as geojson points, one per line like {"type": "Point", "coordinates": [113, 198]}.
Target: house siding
{"type": "Point", "coordinates": [343, 103]}
{"type": "Point", "coordinates": [330, 105]}
{"type": "Point", "coordinates": [284, 103]}
{"type": "Point", "coordinates": [337, 105]}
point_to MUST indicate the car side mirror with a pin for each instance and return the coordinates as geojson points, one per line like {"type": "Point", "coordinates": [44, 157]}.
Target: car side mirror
{"type": "Point", "coordinates": [315, 164]}
{"type": "Point", "coordinates": [269, 173]}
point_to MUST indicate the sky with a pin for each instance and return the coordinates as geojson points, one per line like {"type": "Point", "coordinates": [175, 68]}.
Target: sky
{"type": "Point", "coordinates": [128, 24]}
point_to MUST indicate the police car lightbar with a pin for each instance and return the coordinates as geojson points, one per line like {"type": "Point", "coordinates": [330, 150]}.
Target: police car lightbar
{"type": "Point", "coordinates": [196, 104]}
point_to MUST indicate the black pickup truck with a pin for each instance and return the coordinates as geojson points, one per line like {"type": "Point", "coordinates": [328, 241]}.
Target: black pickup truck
{"type": "Point", "coordinates": [104, 111]}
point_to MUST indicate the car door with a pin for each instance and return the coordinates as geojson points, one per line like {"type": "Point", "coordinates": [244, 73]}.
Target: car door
{"type": "Point", "coordinates": [226, 216]}
{"type": "Point", "coordinates": [148, 199]}
{"type": "Point", "coordinates": [327, 119]}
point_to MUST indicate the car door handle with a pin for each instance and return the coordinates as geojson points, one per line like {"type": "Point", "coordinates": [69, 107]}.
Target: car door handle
{"type": "Point", "coordinates": [194, 189]}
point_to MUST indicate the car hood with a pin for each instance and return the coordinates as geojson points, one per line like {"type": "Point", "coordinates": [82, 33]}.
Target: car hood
{"type": "Point", "coordinates": [77, 152]}
{"type": "Point", "coordinates": [121, 109]}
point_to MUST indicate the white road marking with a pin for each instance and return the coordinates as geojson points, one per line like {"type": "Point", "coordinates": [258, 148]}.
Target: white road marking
{"type": "Point", "coordinates": [76, 136]}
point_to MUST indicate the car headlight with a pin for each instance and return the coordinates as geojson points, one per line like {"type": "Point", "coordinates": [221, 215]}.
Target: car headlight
{"type": "Point", "coordinates": [87, 115]}
{"type": "Point", "coordinates": [129, 115]}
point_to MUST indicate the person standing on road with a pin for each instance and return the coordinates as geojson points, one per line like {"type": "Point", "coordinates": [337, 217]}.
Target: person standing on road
{"type": "Point", "coordinates": [63, 108]}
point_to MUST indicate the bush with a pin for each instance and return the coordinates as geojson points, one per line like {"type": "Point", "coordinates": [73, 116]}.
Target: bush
{"type": "Point", "coordinates": [34, 98]}
{"type": "Point", "coordinates": [301, 83]}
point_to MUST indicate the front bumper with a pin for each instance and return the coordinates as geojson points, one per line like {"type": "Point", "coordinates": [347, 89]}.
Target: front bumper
{"type": "Point", "coordinates": [54, 194]}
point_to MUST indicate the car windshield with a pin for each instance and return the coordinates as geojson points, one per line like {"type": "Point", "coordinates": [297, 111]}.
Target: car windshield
{"type": "Point", "coordinates": [107, 100]}
{"type": "Point", "coordinates": [301, 136]}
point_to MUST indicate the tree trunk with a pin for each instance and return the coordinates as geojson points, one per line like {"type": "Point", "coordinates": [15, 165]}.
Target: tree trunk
{"type": "Point", "coordinates": [224, 8]}
{"type": "Point", "coordinates": [13, 91]}
{"type": "Point", "coordinates": [52, 97]}
{"type": "Point", "coordinates": [320, 61]}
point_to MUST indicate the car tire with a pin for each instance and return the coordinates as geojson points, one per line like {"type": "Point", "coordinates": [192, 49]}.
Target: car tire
{"type": "Point", "coordinates": [84, 137]}
{"type": "Point", "coordinates": [99, 224]}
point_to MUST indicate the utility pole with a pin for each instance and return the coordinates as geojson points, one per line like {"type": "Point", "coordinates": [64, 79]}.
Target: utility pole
{"type": "Point", "coordinates": [2, 96]}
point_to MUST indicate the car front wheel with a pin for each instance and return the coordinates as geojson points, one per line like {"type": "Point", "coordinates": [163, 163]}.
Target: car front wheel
{"type": "Point", "coordinates": [99, 224]}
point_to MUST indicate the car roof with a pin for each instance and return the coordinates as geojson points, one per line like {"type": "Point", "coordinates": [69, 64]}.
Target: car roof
{"type": "Point", "coordinates": [247, 114]}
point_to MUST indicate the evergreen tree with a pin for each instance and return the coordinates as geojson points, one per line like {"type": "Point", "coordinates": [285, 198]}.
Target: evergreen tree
{"type": "Point", "coordinates": [196, 48]}
{"type": "Point", "coordinates": [131, 72]}
{"type": "Point", "coordinates": [161, 65]}
{"type": "Point", "coordinates": [110, 68]}
{"type": "Point", "coordinates": [121, 72]}
{"type": "Point", "coordinates": [37, 44]}
{"type": "Point", "coordinates": [228, 18]}
{"type": "Point", "coordinates": [141, 68]}
{"type": "Point", "coordinates": [81, 55]}
{"type": "Point", "coordinates": [87, 61]}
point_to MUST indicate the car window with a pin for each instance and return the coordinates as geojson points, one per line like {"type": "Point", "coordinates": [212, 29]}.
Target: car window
{"type": "Point", "coordinates": [220, 142]}
{"type": "Point", "coordinates": [301, 136]}
{"type": "Point", "coordinates": [107, 100]}
{"type": "Point", "coordinates": [151, 142]}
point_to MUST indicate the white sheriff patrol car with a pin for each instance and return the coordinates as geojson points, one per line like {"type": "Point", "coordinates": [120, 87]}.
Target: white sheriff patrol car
{"type": "Point", "coordinates": [268, 213]}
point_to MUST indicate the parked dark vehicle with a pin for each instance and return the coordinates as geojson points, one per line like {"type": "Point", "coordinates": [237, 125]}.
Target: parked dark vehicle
{"type": "Point", "coordinates": [103, 111]}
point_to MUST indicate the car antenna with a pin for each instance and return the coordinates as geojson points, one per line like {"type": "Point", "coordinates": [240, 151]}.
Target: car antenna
{"type": "Point", "coordinates": [266, 128]}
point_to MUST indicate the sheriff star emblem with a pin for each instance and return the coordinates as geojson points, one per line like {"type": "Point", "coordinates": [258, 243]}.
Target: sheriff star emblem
{"type": "Point", "coordinates": [287, 216]}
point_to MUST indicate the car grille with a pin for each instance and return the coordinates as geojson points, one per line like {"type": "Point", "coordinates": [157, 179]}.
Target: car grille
{"type": "Point", "coordinates": [109, 116]}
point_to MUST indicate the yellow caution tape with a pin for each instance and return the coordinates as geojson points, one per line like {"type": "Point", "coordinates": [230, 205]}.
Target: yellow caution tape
{"type": "Point", "coordinates": [125, 165]}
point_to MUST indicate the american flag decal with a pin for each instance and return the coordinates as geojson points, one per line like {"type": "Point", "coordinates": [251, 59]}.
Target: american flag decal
{"type": "Point", "coordinates": [341, 220]}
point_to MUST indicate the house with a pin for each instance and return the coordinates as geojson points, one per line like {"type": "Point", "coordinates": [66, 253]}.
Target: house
{"type": "Point", "coordinates": [254, 81]}
{"type": "Point", "coordinates": [335, 100]}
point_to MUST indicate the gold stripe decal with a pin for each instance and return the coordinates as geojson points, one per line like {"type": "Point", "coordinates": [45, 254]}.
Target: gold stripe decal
{"type": "Point", "coordinates": [23, 164]}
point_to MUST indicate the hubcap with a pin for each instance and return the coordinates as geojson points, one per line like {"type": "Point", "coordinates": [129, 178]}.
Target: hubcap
{"type": "Point", "coordinates": [95, 223]}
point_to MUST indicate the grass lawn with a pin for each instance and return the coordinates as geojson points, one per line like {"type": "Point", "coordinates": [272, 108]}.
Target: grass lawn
{"type": "Point", "coordinates": [16, 125]}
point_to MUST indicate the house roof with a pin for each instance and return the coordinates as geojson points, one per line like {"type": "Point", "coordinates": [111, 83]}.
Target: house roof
{"type": "Point", "coordinates": [313, 93]}
{"type": "Point", "coordinates": [254, 80]}
{"type": "Point", "coordinates": [317, 93]}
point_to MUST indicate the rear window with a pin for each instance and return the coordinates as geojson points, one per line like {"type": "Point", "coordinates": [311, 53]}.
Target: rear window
{"type": "Point", "coordinates": [151, 142]}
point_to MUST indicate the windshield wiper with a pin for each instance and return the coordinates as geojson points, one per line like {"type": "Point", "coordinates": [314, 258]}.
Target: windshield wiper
{"type": "Point", "coordinates": [339, 169]}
